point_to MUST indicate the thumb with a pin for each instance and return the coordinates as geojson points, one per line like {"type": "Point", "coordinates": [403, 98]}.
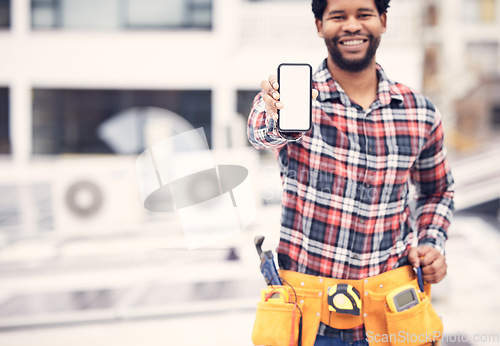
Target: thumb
{"type": "Point", "coordinates": [414, 257]}
{"type": "Point", "coordinates": [315, 94]}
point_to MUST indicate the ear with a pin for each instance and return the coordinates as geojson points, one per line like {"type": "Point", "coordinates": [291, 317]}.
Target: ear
{"type": "Point", "coordinates": [383, 19]}
{"type": "Point", "coordinates": [319, 27]}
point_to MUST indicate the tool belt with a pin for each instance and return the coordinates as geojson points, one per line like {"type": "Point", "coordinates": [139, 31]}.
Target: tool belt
{"type": "Point", "coordinates": [291, 314]}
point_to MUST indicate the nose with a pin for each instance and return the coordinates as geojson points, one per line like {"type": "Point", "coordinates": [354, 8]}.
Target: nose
{"type": "Point", "coordinates": [352, 25]}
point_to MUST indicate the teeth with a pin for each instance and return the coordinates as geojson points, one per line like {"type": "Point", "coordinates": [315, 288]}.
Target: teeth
{"type": "Point", "coordinates": [352, 43]}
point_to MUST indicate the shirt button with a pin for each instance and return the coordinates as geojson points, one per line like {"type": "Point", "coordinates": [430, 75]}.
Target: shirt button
{"type": "Point", "coordinates": [362, 221]}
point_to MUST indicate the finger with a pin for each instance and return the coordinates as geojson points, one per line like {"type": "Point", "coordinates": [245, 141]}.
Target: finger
{"type": "Point", "coordinates": [267, 87]}
{"type": "Point", "coordinates": [416, 255]}
{"type": "Point", "coordinates": [273, 93]}
{"type": "Point", "coordinates": [315, 94]}
{"type": "Point", "coordinates": [428, 256]}
{"type": "Point", "coordinates": [274, 115]}
{"type": "Point", "coordinates": [270, 86]}
{"type": "Point", "coordinates": [273, 81]}
{"type": "Point", "coordinates": [433, 268]}
{"type": "Point", "coordinates": [272, 103]}
{"type": "Point", "coordinates": [271, 106]}
{"type": "Point", "coordinates": [413, 257]}
{"type": "Point", "coordinates": [435, 272]}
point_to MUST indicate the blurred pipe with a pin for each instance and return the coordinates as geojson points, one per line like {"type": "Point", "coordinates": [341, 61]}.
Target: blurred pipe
{"type": "Point", "coordinates": [21, 123]}
{"type": "Point", "coordinates": [20, 93]}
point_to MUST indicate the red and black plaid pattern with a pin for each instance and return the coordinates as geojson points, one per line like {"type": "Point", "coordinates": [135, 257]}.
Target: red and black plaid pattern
{"type": "Point", "coordinates": [346, 207]}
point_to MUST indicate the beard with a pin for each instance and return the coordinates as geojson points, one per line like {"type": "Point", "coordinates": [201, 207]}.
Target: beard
{"type": "Point", "coordinates": [352, 65]}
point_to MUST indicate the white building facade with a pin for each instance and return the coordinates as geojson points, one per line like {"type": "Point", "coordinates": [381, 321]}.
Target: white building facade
{"type": "Point", "coordinates": [67, 66]}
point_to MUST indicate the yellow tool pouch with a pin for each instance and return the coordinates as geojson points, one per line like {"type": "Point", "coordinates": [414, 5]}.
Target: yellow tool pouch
{"type": "Point", "coordinates": [278, 318]}
{"type": "Point", "coordinates": [418, 325]}
{"type": "Point", "coordinates": [276, 324]}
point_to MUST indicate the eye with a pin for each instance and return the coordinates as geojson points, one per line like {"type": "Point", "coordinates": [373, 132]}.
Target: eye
{"type": "Point", "coordinates": [337, 18]}
{"type": "Point", "coordinates": [365, 15]}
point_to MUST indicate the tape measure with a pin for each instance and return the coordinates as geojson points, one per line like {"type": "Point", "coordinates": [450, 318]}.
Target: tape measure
{"type": "Point", "coordinates": [344, 299]}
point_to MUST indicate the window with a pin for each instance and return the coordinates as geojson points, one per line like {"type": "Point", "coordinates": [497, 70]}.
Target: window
{"type": "Point", "coordinates": [4, 121]}
{"type": "Point", "coordinates": [479, 11]}
{"type": "Point", "coordinates": [495, 116]}
{"type": "Point", "coordinates": [69, 120]}
{"type": "Point", "coordinates": [482, 57]}
{"type": "Point", "coordinates": [244, 101]}
{"type": "Point", "coordinates": [4, 13]}
{"type": "Point", "coordinates": [172, 13]}
{"type": "Point", "coordinates": [431, 17]}
{"type": "Point", "coordinates": [122, 14]}
{"type": "Point", "coordinates": [431, 68]}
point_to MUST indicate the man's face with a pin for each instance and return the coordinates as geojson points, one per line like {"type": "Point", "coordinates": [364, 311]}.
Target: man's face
{"type": "Point", "coordinates": [351, 30]}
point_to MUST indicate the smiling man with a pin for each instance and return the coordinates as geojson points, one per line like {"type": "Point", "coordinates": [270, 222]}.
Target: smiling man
{"type": "Point", "coordinates": [348, 231]}
{"type": "Point", "coordinates": [353, 49]}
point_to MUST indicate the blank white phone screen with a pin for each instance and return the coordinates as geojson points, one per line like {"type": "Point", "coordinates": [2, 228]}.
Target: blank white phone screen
{"type": "Point", "coordinates": [295, 94]}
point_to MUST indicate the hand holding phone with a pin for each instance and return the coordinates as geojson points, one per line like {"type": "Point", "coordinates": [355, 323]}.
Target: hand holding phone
{"type": "Point", "coordinates": [295, 90]}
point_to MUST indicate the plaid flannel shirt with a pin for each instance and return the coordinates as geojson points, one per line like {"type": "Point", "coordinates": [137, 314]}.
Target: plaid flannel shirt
{"type": "Point", "coordinates": [346, 209]}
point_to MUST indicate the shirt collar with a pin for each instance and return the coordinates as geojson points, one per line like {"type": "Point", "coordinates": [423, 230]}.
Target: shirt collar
{"type": "Point", "coordinates": [330, 89]}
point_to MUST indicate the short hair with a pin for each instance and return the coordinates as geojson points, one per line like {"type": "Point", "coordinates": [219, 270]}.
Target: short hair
{"type": "Point", "coordinates": [318, 7]}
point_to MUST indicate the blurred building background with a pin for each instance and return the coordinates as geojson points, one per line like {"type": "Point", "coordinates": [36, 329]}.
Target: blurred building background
{"type": "Point", "coordinates": [87, 85]}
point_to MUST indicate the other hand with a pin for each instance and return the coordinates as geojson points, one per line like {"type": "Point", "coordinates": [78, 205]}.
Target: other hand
{"type": "Point", "coordinates": [433, 263]}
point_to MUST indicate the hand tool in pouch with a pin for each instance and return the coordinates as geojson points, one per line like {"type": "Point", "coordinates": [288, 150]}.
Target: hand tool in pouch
{"type": "Point", "coordinates": [420, 279]}
{"type": "Point", "coordinates": [267, 266]}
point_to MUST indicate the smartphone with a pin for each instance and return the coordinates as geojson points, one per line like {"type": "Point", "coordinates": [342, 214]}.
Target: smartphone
{"type": "Point", "coordinates": [295, 89]}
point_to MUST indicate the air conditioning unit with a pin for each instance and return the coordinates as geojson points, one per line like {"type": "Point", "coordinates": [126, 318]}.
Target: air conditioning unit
{"type": "Point", "coordinates": [96, 196]}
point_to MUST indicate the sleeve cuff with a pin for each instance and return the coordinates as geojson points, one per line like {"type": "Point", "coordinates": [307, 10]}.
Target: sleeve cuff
{"type": "Point", "coordinates": [433, 242]}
